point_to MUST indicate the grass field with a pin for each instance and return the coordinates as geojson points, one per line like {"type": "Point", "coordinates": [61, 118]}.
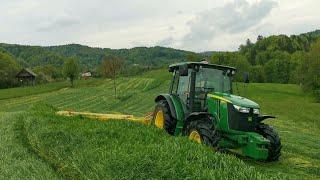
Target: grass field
{"type": "Point", "coordinates": [36, 144]}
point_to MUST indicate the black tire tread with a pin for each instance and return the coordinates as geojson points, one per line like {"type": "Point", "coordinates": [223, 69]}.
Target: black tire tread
{"type": "Point", "coordinates": [207, 131]}
{"type": "Point", "coordinates": [275, 142]}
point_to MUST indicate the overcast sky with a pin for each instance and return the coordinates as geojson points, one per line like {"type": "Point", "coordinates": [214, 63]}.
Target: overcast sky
{"type": "Point", "coordinates": [196, 25]}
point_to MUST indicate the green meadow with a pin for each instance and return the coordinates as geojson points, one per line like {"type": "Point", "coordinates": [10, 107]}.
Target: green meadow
{"type": "Point", "coordinates": [37, 144]}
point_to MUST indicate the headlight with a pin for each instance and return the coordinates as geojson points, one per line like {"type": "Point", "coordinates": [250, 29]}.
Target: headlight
{"type": "Point", "coordinates": [256, 111]}
{"type": "Point", "coordinates": [242, 109]}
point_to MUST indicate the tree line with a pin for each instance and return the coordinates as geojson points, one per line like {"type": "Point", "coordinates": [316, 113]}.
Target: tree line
{"type": "Point", "coordinates": [8, 70]}
{"type": "Point", "coordinates": [90, 58]}
{"type": "Point", "coordinates": [278, 59]}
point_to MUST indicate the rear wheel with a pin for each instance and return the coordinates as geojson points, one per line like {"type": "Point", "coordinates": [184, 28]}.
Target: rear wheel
{"type": "Point", "coordinates": [162, 117]}
{"type": "Point", "coordinates": [274, 150]}
{"type": "Point", "coordinates": [202, 132]}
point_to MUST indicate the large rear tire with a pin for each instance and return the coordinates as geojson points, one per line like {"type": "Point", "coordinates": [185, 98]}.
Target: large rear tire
{"type": "Point", "coordinates": [203, 132]}
{"type": "Point", "coordinates": [274, 150]}
{"type": "Point", "coordinates": [162, 117]}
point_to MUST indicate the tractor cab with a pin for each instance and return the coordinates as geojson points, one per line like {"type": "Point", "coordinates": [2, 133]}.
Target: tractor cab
{"type": "Point", "coordinates": [192, 82]}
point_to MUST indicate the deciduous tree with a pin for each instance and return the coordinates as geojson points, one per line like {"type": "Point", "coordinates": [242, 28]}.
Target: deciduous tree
{"type": "Point", "coordinates": [71, 70]}
{"type": "Point", "coordinates": [8, 70]}
{"type": "Point", "coordinates": [111, 67]}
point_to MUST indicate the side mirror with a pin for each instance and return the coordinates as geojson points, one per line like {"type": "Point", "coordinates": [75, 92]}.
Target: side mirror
{"type": "Point", "coordinates": [183, 70]}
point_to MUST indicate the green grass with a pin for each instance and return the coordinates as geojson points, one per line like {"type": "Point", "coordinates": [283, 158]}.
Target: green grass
{"type": "Point", "coordinates": [86, 149]}
{"type": "Point", "coordinates": [17, 160]}
{"type": "Point", "coordinates": [44, 88]}
{"type": "Point", "coordinates": [58, 147]}
{"type": "Point", "coordinates": [97, 97]}
{"type": "Point", "coordinates": [27, 91]}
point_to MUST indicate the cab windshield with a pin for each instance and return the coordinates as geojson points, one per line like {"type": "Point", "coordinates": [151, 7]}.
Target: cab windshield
{"type": "Point", "coordinates": [213, 80]}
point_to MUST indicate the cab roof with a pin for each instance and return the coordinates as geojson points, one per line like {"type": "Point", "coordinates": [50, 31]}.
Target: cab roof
{"type": "Point", "coordinates": [172, 67]}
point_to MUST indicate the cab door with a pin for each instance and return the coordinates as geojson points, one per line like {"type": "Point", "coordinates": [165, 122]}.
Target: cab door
{"type": "Point", "coordinates": [180, 87]}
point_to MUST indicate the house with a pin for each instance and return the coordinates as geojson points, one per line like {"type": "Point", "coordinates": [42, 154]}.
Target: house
{"type": "Point", "coordinates": [86, 75]}
{"type": "Point", "coordinates": [26, 77]}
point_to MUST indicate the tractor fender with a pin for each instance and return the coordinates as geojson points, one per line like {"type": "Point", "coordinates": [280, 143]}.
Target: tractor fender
{"type": "Point", "coordinates": [167, 98]}
{"type": "Point", "coordinates": [177, 110]}
{"type": "Point", "coordinates": [200, 115]}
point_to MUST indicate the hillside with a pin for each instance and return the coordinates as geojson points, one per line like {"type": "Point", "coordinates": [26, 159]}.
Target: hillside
{"type": "Point", "coordinates": [37, 143]}
{"type": "Point", "coordinates": [89, 57]}
{"type": "Point", "coordinates": [315, 33]}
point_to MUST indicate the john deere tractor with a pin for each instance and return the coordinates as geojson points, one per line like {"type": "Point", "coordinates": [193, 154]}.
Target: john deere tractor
{"type": "Point", "coordinates": [201, 105]}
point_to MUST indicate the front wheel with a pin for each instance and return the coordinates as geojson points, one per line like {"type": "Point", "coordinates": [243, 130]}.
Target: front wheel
{"type": "Point", "coordinates": [202, 132]}
{"type": "Point", "coordinates": [274, 150]}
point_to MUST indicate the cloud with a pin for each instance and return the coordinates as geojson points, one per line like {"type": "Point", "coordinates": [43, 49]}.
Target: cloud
{"type": "Point", "coordinates": [195, 26]}
{"type": "Point", "coordinates": [58, 24]}
{"type": "Point", "coordinates": [171, 28]}
{"type": "Point", "coordinates": [234, 17]}
{"type": "Point", "coordinates": [166, 42]}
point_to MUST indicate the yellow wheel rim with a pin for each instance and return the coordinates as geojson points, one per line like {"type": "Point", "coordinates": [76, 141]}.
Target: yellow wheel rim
{"type": "Point", "coordinates": [195, 136]}
{"type": "Point", "coordinates": [159, 120]}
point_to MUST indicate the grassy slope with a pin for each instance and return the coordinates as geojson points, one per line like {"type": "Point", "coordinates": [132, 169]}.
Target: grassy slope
{"type": "Point", "coordinates": [86, 149]}
{"type": "Point", "coordinates": [135, 96]}
{"type": "Point", "coordinates": [42, 88]}
{"type": "Point", "coordinates": [297, 124]}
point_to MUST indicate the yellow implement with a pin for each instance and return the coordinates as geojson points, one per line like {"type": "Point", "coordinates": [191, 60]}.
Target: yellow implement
{"type": "Point", "coordinates": [105, 117]}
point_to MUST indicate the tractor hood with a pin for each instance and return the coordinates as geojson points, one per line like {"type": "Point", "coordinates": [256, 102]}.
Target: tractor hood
{"type": "Point", "coordinates": [236, 100]}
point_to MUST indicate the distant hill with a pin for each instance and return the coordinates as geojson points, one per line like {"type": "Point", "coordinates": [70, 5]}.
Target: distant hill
{"type": "Point", "coordinates": [31, 56]}
{"type": "Point", "coordinates": [89, 57]}
{"type": "Point", "coordinates": [315, 33]}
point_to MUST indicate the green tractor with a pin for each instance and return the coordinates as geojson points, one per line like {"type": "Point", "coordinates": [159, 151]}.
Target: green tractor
{"type": "Point", "coordinates": [200, 105]}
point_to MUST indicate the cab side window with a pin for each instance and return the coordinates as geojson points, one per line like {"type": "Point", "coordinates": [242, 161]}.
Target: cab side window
{"type": "Point", "coordinates": [183, 85]}
{"type": "Point", "coordinates": [175, 83]}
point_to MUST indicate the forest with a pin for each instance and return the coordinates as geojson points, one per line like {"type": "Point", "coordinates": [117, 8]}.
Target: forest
{"type": "Point", "coordinates": [278, 59]}
{"type": "Point", "coordinates": [284, 59]}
